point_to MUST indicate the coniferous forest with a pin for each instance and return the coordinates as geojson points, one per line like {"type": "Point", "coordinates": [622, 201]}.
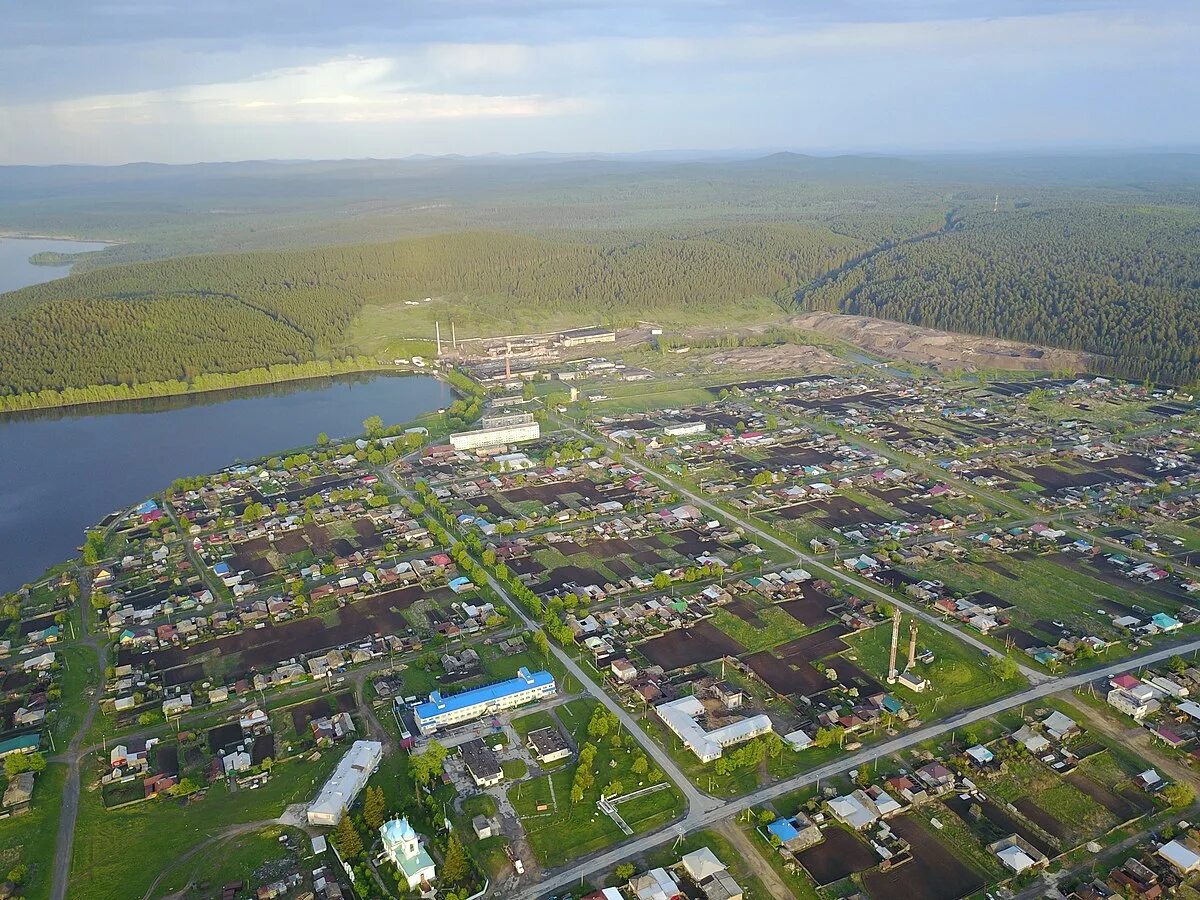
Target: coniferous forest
{"type": "Point", "coordinates": [309, 265]}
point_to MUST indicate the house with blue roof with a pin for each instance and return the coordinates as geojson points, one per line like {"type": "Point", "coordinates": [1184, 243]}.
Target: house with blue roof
{"type": "Point", "coordinates": [443, 712]}
{"type": "Point", "coordinates": [22, 743]}
{"type": "Point", "coordinates": [1163, 622]}
{"type": "Point", "coordinates": [796, 833]}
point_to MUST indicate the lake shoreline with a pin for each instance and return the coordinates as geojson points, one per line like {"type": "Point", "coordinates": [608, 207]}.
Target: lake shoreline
{"type": "Point", "coordinates": [16, 236]}
{"type": "Point", "coordinates": [63, 470]}
{"type": "Point", "coordinates": [380, 369]}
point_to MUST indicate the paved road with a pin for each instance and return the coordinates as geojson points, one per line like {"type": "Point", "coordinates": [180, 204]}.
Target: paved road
{"type": "Point", "coordinates": [698, 819]}
{"type": "Point", "coordinates": [811, 562]}
{"type": "Point", "coordinates": [65, 841]}
{"type": "Point", "coordinates": [697, 799]}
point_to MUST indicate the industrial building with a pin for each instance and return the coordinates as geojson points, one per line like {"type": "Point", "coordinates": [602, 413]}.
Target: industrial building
{"type": "Point", "coordinates": [346, 782]}
{"type": "Point", "coordinates": [580, 336]}
{"type": "Point", "coordinates": [681, 716]}
{"type": "Point", "coordinates": [498, 431]}
{"type": "Point", "coordinates": [443, 712]}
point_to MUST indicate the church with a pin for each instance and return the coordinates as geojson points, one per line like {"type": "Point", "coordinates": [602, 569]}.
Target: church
{"type": "Point", "coordinates": [402, 847]}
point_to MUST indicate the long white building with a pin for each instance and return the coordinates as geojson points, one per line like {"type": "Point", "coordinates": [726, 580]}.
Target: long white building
{"type": "Point", "coordinates": [499, 431]}
{"type": "Point", "coordinates": [346, 782]}
{"type": "Point", "coordinates": [681, 717]}
{"type": "Point", "coordinates": [443, 712]}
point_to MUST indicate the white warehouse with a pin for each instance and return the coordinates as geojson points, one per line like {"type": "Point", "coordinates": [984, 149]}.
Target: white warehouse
{"type": "Point", "coordinates": [346, 782]}
{"type": "Point", "coordinates": [681, 717]}
{"type": "Point", "coordinates": [498, 431]}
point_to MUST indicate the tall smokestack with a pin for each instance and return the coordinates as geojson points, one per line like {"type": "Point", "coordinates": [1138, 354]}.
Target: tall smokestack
{"type": "Point", "coordinates": [912, 645]}
{"type": "Point", "coordinates": [437, 331]}
{"type": "Point", "coordinates": [891, 678]}
{"type": "Point", "coordinates": [453, 337]}
{"type": "Point", "coordinates": [508, 360]}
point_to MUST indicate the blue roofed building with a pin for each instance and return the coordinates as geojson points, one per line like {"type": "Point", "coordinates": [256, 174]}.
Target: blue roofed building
{"type": "Point", "coordinates": [796, 833]}
{"type": "Point", "coordinates": [442, 712]}
{"type": "Point", "coordinates": [1163, 622]}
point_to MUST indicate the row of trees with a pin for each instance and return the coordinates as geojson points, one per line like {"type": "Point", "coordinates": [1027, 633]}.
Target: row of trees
{"type": "Point", "coordinates": [48, 397]}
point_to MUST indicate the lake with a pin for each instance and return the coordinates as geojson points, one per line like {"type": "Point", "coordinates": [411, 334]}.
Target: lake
{"type": "Point", "coordinates": [16, 271]}
{"type": "Point", "coordinates": [63, 470]}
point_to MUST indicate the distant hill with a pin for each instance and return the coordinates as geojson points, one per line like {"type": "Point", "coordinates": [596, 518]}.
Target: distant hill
{"type": "Point", "coordinates": [181, 317]}
{"type": "Point", "coordinates": [253, 263]}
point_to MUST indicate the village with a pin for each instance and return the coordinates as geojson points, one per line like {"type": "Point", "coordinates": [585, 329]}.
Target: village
{"type": "Point", "coordinates": [836, 635]}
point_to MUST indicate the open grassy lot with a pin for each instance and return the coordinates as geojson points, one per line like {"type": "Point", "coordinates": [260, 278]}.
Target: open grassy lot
{"type": "Point", "coordinates": [564, 830]}
{"type": "Point", "coordinates": [118, 853]}
{"type": "Point", "coordinates": [1027, 780]}
{"type": "Point", "coordinates": [238, 859]}
{"type": "Point", "coordinates": [1041, 591]}
{"type": "Point", "coordinates": [775, 627]}
{"type": "Point", "coordinates": [80, 672]}
{"type": "Point", "coordinates": [648, 399]}
{"type": "Point", "coordinates": [29, 839]}
{"type": "Point", "coordinates": [532, 722]}
{"type": "Point", "coordinates": [960, 676]}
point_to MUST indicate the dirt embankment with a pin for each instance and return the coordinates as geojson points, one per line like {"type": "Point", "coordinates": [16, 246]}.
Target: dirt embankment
{"type": "Point", "coordinates": [942, 349]}
{"type": "Point", "coordinates": [779, 358]}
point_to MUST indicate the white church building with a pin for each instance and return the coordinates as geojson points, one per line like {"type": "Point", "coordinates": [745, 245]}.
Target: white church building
{"type": "Point", "coordinates": [402, 847]}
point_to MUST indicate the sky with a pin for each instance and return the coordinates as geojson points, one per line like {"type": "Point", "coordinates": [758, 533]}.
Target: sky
{"type": "Point", "coordinates": [116, 81]}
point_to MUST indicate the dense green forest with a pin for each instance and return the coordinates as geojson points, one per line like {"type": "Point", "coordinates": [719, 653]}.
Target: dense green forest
{"type": "Point", "coordinates": [175, 319]}
{"type": "Point", "coordinates": [1123, 282]}
{"type": "Point", "coordinates": [248, 265]}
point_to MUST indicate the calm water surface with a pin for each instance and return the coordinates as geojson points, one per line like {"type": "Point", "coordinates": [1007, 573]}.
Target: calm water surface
{"type": "Point", "coordinates": [64, 470]}
{"type": "Point", "coordinates": [16, 271]}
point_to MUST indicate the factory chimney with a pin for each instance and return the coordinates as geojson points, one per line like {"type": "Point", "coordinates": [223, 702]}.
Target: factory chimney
{"type": "Point", "coordinates": [437, 331]}
{"type": "Point", "coordinates": [912, 645]}
{"type": "Point", "coordinates": [507, 360]}
{"type": "Point", "coordinates": [891, 677]}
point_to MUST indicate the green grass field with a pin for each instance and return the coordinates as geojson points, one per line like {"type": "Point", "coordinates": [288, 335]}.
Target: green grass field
{"type": "Point", "coordinates": [566, 830]}
{"type": "Point", "coordinates": [119, 853]}
{"type": "Point", "coordinates": [239, 858]}
{"type": "Point", "coordinates": [777, 627]}
{"type": "Point", "coordinates": [960, 676]}
{"type": "Point", "coordinates": [30, 839]}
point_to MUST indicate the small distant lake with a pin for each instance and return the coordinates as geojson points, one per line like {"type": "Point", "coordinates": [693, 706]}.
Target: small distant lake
{"type": "Point", "coordinates": [62, 471]}
{"type": "Point", "coordinates": [16, 271]}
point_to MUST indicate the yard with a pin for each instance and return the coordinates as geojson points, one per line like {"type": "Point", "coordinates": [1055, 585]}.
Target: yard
{"type": "Point", "coordinates": [29, 839]}
{"type": "Point", "coordinates": [564, 830]}
{"type": "Point", "coordinates": [1058, 807]}
{"type": "Point", "coordinates": [158, 832]}
{"type": "Point", "coordinates": [959, 677]}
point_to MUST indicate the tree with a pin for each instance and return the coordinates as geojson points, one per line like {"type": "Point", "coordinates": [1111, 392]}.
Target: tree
{"type": "Point", "coordinates": [662, 581]}
{"type": "Point", "coordinates": [640, 765]}
{"type": "Point", "coordinates": [346, 837]}
{"type": "Point", "coordinates": [427, 764]}
{"type": "Point", "coordinates": [600, 724]}
{"type": "Point", "coordinates": [1005, 668]}
{"type": "Point", "coordinates": [1179, 794]}
{"type": "Point", "coordinates": [322, 439]}
{"type": "Point", "coordinates": [541, 644]}
{"type": "Point", "coordinates": [827, 737]}
{"type": "Point", "coordinates": [456, 868]}
{"type": "Point", "coordinates": [374, 807]}
{"type": "Point", "coordinates": [373, 425]}
{"type": "Point", "coordinates": [94, 547]}
{"type": "Point", "coordinates": [624, 872]}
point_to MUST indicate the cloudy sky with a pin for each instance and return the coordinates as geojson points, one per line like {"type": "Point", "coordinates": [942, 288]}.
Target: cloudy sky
{"type": "Point", "coordinates": [111, 81]}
